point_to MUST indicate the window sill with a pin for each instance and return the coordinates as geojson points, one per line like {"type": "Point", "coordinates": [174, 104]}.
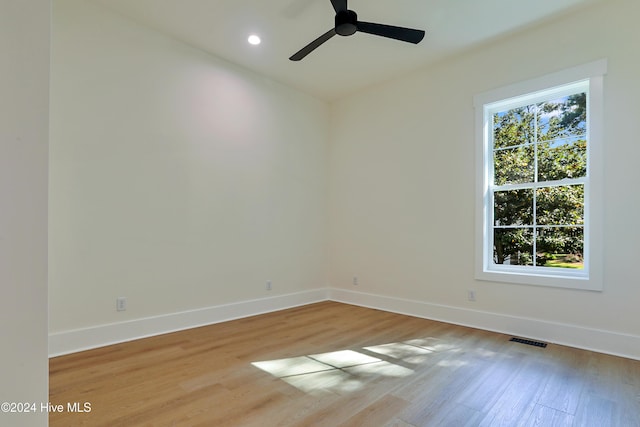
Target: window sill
{"type": "Point", "coordinates": [537, 279]}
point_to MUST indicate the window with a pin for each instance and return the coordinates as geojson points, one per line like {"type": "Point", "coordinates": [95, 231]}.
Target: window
{"type": "Point", "coordinates": [539, 180]}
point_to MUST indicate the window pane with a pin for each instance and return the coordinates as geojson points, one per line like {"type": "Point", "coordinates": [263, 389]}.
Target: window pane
{"type": "Point", "coordinates": [563, 118]}
{"type": "Point", "coordinates": [561, 205]}
{"type": "Point", "coordinates": [562, 158]}
{"type": "Point", "coordinates": [513, 165]}
{"type": "Point", "coordinates": [514, 127]}
{"type": "Point", "coordinates": [513, 207]}
{"type": "Point", "coordinates": [513, 246]}
{"type": "Point", "coordinates": [560, 247]}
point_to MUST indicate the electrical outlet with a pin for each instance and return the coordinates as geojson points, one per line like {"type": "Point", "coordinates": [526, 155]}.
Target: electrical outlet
{"type": "Point", "coordinates": [471, 295]}
{"type": "Point", "coordinates": [121, 304]}
{"type": "Point", "coordinates": [268, 285]}
{"type": "Point", "coordinates": [355, 281]}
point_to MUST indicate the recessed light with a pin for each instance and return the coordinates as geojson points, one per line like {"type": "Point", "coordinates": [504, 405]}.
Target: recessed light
{"type": "Point", "coordinates": [254, 40]}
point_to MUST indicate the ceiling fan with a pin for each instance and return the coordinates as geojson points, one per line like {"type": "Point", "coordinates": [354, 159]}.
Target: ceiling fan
{"type": "Point", "coordinates": [346, 24]}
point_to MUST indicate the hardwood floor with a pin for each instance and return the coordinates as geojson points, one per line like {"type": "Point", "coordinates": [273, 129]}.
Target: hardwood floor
{"type": "Point", "coordinates": [332, 364]}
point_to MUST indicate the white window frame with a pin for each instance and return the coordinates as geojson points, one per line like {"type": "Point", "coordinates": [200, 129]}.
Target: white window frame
{"type": "Point", "coordinates": [590, 78]}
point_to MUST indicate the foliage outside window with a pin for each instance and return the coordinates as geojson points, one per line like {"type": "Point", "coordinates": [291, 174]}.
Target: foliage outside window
{"type": "Point", "coordinates": [538, 155]}
{"type": "Point", "coordinates": [539, 170]}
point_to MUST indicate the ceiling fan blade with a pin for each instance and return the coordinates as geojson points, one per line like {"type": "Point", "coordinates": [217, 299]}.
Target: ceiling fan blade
{"type": "Point", "coordinates": [399, 33]}
{"type": "Point", "coordinates": [313, 45]}
{"type": "Point", "coordinates": [339, 5]}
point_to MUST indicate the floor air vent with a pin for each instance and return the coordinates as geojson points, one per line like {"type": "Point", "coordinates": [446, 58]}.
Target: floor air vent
{"type": "Point", "coordinates": [529, 342]}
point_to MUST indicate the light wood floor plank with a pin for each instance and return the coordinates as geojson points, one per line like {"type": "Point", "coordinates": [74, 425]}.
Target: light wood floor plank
{"type": "Point", "coordinates": [543, 416]}
{"type": "Point", "coordinates": [332, 364]}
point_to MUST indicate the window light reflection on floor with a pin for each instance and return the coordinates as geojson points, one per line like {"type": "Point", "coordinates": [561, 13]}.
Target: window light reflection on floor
{"type": "Point", "coordinates": [346, 371]}
{"type": "Point", "coordinates": [405, 352]}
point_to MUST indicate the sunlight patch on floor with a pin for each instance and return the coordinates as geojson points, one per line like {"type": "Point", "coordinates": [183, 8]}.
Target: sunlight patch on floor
{"type": "Point", "coordinates": [335, 381]}
{"type": "Point", "coordinates": [431, 344]}
{"type": "Point", "coordinates": [380, 369]}
{"type": "Point", "coordinates": [401, 351]}
{"type": "Point", "coordinates": [344, 358]}
{"type": "Point", "coordinates": [451, 363]}
{"type": "Point", "coordinates": [292, 366]}
{"type": "Point", "coordinates": [346, 371]}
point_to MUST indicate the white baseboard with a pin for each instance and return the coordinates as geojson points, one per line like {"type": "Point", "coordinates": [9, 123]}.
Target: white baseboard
{"type": "Point", "coordinates": [618, 344]}
{"type": "Point", "coordinates": [99, 336]}
{"type": "Point", "coordinates": [614, 343]}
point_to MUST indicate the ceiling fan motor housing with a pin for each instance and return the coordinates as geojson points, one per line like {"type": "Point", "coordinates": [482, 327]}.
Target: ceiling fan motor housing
{"type": "Point", "coordinates": [346, 22]}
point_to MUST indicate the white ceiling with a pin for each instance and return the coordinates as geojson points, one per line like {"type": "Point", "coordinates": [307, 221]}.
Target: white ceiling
{"type": "Point", "coordinates": [343, 64]}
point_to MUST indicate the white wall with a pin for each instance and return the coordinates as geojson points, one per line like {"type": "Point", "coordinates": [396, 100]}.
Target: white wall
{"type": "Point", "coordinates": [184, 182]}
{"type": "Point", "coordinates": [24, 111]}
{"type": "Point", "coordinates": [177, 180]}
{"type": "Point", "coordinates": [402, 180]}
